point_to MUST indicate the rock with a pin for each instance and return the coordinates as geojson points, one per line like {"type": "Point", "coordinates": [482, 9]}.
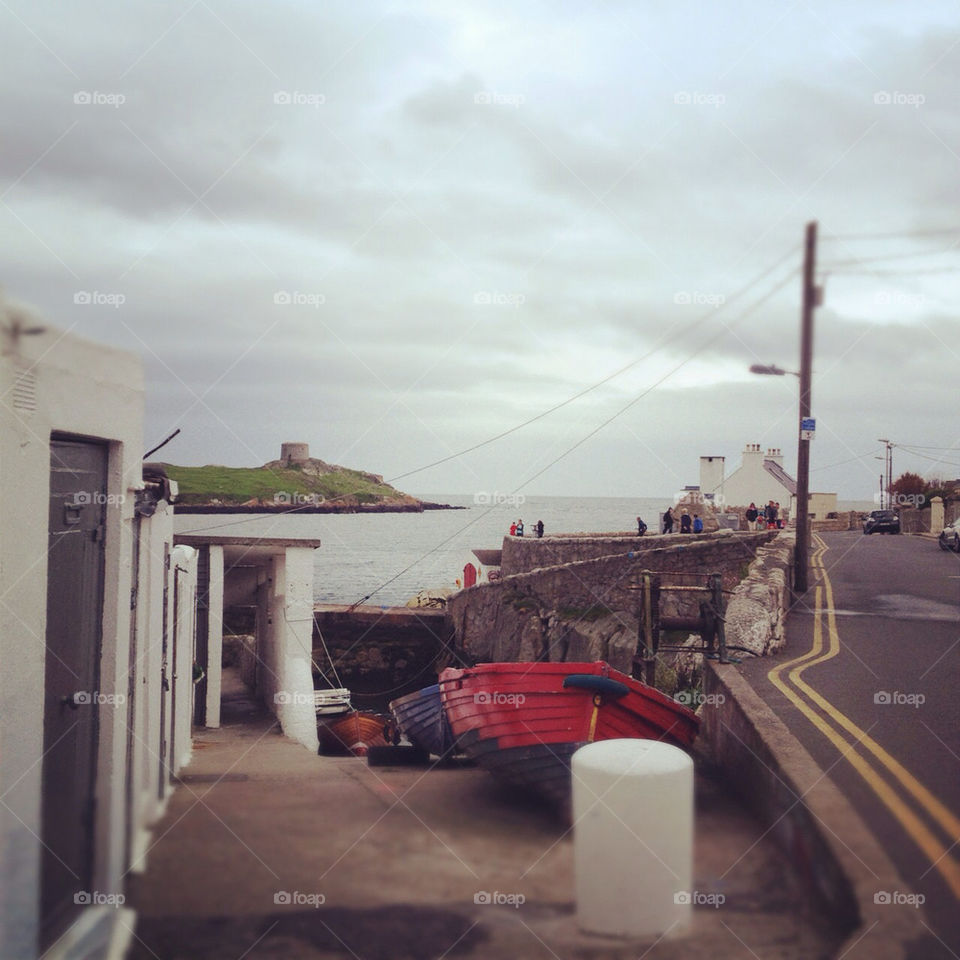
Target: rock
{"type": "Point", "coordinates": [435, 598]}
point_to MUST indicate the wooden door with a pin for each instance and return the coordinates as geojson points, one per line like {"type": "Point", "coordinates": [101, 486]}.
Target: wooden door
{"type": "Point", "coordinates": [78, 499]}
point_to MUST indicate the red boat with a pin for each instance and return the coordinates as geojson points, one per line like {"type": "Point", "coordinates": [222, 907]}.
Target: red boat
{"type": "Point", "coordinates": [524, 721]}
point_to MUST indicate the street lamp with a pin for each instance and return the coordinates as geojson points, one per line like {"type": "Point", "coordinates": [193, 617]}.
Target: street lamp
{"type": "Point", "coordinates": [771, 369]}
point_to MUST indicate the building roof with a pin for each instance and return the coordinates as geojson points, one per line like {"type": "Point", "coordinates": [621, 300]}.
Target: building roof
{"type": "Point", "coordinates": [781, 475]}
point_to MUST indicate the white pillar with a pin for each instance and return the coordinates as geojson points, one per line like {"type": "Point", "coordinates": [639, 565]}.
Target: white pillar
{"type": "Point", "coordinates": [633, 837]}
{"type": "Point", "coordinates": [292, 615]}
{"type": "Point", "coordinates": [936, 515]}
{"type": "Point", "coordinates": [214, 662]}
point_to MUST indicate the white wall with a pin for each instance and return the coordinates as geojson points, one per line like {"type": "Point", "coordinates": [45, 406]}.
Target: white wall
{"type": "Point", "coordinates": [57, 382]}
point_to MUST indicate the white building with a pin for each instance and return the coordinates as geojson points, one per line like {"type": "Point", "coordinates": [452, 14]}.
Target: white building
{"type": "Point", "coordinates": [96, 645]}
{"type": "Point", "coordinates": [761, 477]}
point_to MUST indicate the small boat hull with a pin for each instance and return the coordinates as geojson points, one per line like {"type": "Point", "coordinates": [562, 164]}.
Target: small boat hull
{"type": "Point", "coordinates": [351, 734]}
{"type": "Point", "coordinates": [524, 721]}
{"type": "Point", "coordinates": [421, 718]}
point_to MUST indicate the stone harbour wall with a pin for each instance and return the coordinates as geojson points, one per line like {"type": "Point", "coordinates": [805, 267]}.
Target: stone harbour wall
{"type": "Point", "coordinates": [523, 554]}
{"type": "Point", "coordinates": [756, 613]}
{"type": "Point", "coordinates": [586, 609]}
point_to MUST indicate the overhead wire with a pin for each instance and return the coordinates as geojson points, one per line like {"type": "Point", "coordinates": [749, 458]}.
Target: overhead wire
{"type": "Point", "coordinates": [664, 341]}
{"type": "Point", "coordinates": [727, 328]}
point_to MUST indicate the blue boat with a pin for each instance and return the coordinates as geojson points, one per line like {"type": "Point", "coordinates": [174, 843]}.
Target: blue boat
{"type": "Point", "coordinates": [421, 718]}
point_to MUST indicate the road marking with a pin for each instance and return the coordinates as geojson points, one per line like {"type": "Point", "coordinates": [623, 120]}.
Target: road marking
{"type": "Point", "coordinates": [917, 830]}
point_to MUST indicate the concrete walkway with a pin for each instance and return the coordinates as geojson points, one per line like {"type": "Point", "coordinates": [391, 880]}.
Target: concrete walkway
{"type": "Point", "coordinates": [267, 851]}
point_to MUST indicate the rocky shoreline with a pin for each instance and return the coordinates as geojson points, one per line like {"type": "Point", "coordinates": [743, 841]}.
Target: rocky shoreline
{"type": "Point", "coordinates": [333, 507]}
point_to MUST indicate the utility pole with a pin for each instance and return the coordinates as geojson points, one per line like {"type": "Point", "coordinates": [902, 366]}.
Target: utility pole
{"type": "Point", "coordinates": [809, 302]}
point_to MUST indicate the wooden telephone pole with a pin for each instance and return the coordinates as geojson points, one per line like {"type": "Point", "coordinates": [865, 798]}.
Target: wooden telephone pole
{"type": "Point", "coordinates": [809, 302]}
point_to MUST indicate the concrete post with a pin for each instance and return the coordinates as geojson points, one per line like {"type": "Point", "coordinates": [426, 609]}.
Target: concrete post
{"type": "Point", "coordinates": [214, 636]}
{"type": "Point", "coordinates": [292, 614]}
{"type": "Point", "coordinates": [936, 515]}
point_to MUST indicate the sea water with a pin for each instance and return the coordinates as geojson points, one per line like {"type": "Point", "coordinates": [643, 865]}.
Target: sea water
{"type": "Point", "coordinates": [386, 558]}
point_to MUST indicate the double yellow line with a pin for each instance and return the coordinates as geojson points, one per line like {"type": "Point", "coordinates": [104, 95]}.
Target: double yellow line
{"type": "Point", "coordinates": [918, 830]}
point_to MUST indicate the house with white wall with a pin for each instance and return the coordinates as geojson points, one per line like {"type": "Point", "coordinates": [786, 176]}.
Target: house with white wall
{"type": "Point", "coordinates": [761, 477]}
{"type": "Point", "coordinates": [96, 646]}
{"type": "Point", "coordinates": [107, 621]}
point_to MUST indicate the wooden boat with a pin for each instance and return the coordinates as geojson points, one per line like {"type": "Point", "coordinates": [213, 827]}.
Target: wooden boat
{"type": "Point", "coordinates": [353, 733]}
{"type": "Point", "coordinates": [524, 721]}
{"type": "Point", "coordinates": [421, 718]}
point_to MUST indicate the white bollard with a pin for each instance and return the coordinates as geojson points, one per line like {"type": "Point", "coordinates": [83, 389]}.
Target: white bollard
{"type": "Point", "coordinates": [633, 838]}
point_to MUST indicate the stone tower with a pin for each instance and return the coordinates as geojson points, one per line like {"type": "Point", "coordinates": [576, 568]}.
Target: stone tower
{"type": "Point", "coordinates": [291, 453]}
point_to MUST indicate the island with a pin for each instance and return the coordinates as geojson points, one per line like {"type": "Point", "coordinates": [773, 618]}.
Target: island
{"type": "Point", "coordinates": [296, 482]}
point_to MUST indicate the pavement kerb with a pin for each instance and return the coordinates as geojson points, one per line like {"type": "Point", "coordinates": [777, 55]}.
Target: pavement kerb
{"type": "Point", "coordinates": [838, 859]}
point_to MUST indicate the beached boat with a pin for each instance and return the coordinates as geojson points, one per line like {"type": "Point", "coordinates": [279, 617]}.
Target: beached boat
{"type": "Point", "coordinates": [421, 718]}
{"type": "Point", "coordinates": [524, 721]}
{"type": "Point", "coordinates": [353, 733]}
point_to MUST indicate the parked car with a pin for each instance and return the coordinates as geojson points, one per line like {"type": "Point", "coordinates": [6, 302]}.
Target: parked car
{"type": "Point", "coordinates": [882, 521]}
{"type": "Point", "coordinates": [949, 538]}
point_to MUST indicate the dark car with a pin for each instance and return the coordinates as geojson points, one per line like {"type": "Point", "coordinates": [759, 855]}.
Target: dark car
{"type": "Point", "coordinates": [882, 521]}
{"type": "Point", "coordinates": [949, 538]}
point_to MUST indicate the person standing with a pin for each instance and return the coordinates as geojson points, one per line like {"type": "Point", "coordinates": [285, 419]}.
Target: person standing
{"type": "Point", "coordinates": [513, 529]}
{"type": "Point", "coordinates": [641, 527]}
{"type": "Point", "coordinates": [751, 515]}
{"type": "Point", "coordinates": [520, 528]}
{"type": "Point", "coordinates": [684, 522]}
{"type": "Point", "coordinates": [539, 529]}
{"type": "Point", "coordinates": [668, 521]}
{"type": "Point", "coordinates": [697, 524]}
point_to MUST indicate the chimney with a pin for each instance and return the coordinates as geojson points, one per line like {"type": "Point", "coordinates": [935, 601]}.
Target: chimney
{"type": "Point", "coordinates": [776, 455]}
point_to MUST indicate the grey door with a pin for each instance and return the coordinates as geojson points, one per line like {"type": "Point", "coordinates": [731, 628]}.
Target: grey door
{"type": "Point", "coordinates": [78, 487]}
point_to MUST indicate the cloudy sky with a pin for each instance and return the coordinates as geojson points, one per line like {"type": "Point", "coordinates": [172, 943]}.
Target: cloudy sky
{"type": "Point", "coordinates": [396, 229]}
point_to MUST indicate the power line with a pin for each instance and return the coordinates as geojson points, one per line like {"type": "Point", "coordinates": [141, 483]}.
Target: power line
{"type": "Point", "coordinates": [840, 463]}
{"type": "Point", "coordinates": [727, 327]}
{"type": "Point", "coordinates": [679, 333]}
{"type": "Point", "coordinates": [903, 235]}
{"type": "Point", "coordinates": [712, 313]}
{"type": "Point", "coordinates": [665, 377]}
{"type": "Point", "coordinates": [859, 261]}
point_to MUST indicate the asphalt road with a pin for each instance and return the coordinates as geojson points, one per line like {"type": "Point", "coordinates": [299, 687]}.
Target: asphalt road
{"type": "Point", "coordinates": [880, 667]}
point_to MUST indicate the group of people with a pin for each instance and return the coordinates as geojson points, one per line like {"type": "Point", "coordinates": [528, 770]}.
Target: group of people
{"type": "Point", "coordinates": [766, 517]}
{"type": "Point", "coordinates": [688, 524]}
{"type": "Point", "coordinates": [516, 529]}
